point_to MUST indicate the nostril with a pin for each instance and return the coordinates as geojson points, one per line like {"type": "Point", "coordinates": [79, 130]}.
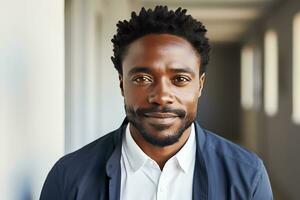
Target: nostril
{"type": "Point", "coordinates": [160, 99]}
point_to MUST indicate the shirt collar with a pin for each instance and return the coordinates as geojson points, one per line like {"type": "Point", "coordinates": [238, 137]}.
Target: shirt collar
{"type": "Point", "coordinates": [137, 158]}
{"type": "Point", "coordinates": [187, 153]}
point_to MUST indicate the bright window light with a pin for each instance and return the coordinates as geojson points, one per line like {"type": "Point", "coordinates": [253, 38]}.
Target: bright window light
{"type": "Point", "coordinates": [271, 73]}
{"type": "Point", "coordinates": [296, 69]}
{"type": "Point", "coordinates": [247, 89]}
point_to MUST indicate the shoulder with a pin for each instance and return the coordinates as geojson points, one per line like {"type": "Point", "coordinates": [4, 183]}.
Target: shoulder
{"type": "Point", "coordinates": [232, 166]}
{"type": "Point", "coordinates": [93, 154]}
{"type": "Point", "coordinates": [83, 161]}
{"type": "Point", "coordinates": [227, 150]}
{"type": "Point", "coordinates": [82, 166]}
{"type": "Point", "coordinates": [83, 171]}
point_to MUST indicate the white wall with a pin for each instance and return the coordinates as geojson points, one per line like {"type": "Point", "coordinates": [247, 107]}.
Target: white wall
{"type": "Point", "coordinates": [94, 105]}
{"type": "Point", "coordinates": [31, 94]}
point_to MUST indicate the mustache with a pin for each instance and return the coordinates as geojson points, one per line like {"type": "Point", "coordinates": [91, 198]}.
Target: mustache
{"type": "Point", "coordinates": [143, 111]}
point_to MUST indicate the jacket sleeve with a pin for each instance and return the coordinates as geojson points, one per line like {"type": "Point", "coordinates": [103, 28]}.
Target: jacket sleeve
{"type": "Point", "coordinates": [52, 188]}
{"type": "Point", "coordinates": [263, 188]}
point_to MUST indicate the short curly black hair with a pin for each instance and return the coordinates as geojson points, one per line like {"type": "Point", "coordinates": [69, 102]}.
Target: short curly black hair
{"type": "Point", "coordinates": [158, 21]}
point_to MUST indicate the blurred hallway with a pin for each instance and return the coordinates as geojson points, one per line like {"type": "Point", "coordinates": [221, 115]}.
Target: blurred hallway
{"type": "Point", "coordinates": [59, 89]}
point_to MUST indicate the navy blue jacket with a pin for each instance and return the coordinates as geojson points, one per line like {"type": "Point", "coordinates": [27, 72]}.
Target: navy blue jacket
{"type": "Point", "coordinates": [223, 170]}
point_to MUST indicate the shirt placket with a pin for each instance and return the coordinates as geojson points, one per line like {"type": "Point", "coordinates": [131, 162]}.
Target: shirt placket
{"type": "Point", "coordinates": [164, 180]}
{"type": "Point", "coordinates": [161, 192]}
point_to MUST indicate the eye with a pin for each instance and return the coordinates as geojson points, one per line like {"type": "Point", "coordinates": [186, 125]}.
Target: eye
{"type": "Point", "coordinates": [181, 80]}
{"type": "Point", "coordinates": [142, 80]}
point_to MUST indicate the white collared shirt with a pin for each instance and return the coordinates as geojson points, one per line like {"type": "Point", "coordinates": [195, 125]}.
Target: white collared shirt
{"type": "Point", "coordinates": [141, 177]}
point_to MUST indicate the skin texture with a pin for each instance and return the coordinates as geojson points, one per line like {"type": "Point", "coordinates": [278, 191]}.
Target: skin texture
{"type": "Point", "coordinates": [161, 85]}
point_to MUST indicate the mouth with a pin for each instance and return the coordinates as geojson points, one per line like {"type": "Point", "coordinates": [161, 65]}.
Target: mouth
{"type": "Point", "coordinates": [161, 115]}
{"type": "Point", "coordinates": [161, 118]}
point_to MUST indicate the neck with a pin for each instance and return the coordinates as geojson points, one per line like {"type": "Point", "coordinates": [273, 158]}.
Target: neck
{"type": "Point", "coordinates": [159, 154]}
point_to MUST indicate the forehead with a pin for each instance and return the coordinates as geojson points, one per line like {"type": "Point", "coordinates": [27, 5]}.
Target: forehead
{"type": "Point", "coordinates": [162, 39]}
{"type": "Point", "coordinates": [161, 48]}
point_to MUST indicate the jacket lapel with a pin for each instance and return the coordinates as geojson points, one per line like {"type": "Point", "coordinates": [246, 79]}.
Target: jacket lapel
{"type": "Point", "coordinates": [200, 180]}
{"type": "Point", "coordinates": [113, 167]}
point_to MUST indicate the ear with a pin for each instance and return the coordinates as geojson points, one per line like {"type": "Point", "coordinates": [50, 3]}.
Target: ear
{"type": "Point", "coordinates": [121, 84]}
{"type": "Point", "coordinates": [201, 82]}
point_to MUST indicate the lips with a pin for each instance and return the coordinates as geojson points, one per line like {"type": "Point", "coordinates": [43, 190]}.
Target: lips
{"type": "Point", "coordinates": [159, 118]}
{"type": "Point", "coordinates": [161, 115]}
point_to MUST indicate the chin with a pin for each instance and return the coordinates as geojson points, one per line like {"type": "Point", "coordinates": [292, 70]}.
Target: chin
{"type": "Point", "coordinates": [161, 135]}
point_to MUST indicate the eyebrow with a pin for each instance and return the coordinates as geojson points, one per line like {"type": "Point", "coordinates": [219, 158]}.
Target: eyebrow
{"type": "Point", "coordinates": [182, 70]}
{"type": "Point", "coordinates": [139, 70]}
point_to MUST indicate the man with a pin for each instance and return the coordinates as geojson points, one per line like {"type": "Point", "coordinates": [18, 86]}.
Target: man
{"type": "Point", "coordinates": [159, 152]}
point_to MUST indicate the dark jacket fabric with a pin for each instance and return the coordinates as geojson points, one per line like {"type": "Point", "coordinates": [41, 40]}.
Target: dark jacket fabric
{"type": "Point", "coordinates": [223, 171]}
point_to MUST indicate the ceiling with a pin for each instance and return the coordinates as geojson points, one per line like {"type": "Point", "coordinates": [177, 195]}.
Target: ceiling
{"type": "Point", "coordinates": [225, 20]}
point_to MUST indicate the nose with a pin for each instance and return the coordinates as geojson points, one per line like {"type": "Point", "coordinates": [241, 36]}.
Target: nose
{"type": "Point", "coordinates": [161, 94]}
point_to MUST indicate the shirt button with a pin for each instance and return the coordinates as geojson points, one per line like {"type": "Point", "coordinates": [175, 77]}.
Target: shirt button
{"type": "Point", "coordinates": [161, 189]}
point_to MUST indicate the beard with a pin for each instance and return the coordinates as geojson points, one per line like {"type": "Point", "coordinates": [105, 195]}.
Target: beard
{"type": "Point", "coordinates": [135, 117]}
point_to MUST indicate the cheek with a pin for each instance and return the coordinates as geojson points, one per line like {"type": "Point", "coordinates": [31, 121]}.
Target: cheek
{"type": "Point", "coordinates": [134, 96]}
{"type": "Point", "coordinates": [189, 100]}
{"type": "Point", "coordinates": [193, 105]}
{"type": "Point", "coordinates": [188, 95]}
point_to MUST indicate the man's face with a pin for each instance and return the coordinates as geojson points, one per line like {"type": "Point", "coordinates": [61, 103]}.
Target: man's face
{"type": "Point", "coordinates": [161, 85]}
